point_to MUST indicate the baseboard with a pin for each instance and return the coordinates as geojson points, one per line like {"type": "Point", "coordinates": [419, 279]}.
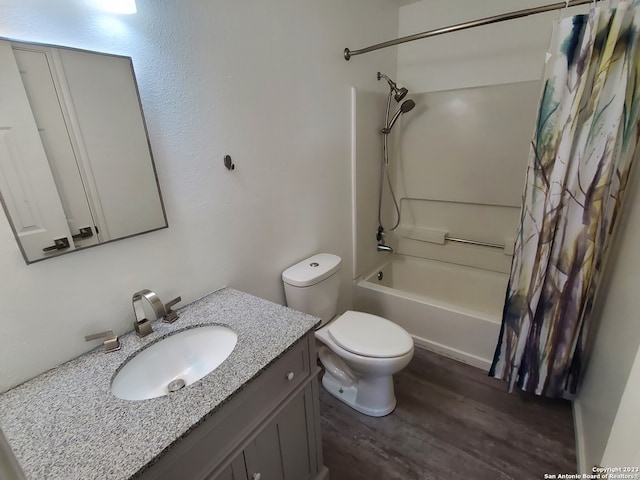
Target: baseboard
{"type": "Point", "coordinates": [578, 431]}
{"type": "Point", "coordinates": [445, 351]}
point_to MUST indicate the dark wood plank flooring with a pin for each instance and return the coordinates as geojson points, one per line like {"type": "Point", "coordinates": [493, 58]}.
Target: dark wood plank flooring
{"type": "Point", "coordinates": [451, 421]}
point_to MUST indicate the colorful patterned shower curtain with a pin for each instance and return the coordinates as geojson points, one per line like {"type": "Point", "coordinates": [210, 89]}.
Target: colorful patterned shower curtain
{"type": "Point", "coordinates": [585, 141]}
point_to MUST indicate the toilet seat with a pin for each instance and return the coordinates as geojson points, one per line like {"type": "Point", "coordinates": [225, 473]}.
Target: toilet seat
{"type": "Point", "coordinates": [369, 335]}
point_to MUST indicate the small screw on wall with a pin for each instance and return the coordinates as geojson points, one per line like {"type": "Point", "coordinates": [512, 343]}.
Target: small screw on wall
{"type": "Point", "coordinates": [229, 163]}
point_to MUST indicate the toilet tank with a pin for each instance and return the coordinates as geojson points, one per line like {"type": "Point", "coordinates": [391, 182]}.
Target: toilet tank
{"type": "Point", "coordinates": [312, 286]}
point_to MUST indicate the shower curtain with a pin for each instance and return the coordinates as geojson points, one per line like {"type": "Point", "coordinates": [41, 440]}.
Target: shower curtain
{"type": "Point", "coordinates": [585, 140]}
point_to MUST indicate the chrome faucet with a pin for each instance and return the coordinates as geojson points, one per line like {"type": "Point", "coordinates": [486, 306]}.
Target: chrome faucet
{"type": "Point", "coordinates": [380, 238]}
{"type": "Point", "coordinates": [142, 324]}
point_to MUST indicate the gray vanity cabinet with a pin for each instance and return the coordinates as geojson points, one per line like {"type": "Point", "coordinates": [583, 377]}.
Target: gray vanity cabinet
{"type": "Point", "coordinates": [236, 470]}
{"type": "Point", "coordinates": [270, 430]}
{"type": "Point", "coordinates": [277, 452]}
{"type": "Point", "coordinates": [280, 451]}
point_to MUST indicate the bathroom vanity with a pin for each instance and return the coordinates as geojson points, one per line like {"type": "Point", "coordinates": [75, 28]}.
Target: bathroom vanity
{"type": "Point", "coordinates": [254, 417]}
{"type": "Point", "coordinates": [267, 431]}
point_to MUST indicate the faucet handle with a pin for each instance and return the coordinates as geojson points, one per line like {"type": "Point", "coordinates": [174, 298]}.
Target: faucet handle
{"type": "Point", "coordinates": [170, 316]}
{"type": "Point", "coordinates": [111, 342]}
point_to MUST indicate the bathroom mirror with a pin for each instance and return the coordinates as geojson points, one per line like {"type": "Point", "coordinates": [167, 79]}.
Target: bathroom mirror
{"type": "Point", "coordinates": [76, 168]}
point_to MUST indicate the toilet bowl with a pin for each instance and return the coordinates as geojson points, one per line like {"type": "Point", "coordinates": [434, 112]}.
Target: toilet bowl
{"type": "Point", "coordinates": [360, 352]}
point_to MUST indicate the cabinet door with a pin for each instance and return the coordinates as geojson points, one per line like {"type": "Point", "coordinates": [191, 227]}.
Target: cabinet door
{"type": "Point", "coordinates": [262, 455]}
{"type": "Point", "coordinates": [282, 450]}
{"type": "Point", "coordinates": [294, 435]}
{"type": "Point", "coordinates": [235, 471]}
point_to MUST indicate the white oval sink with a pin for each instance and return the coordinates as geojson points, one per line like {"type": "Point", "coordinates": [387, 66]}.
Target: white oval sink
{"type": "Point", "coordinates": [186, 357]}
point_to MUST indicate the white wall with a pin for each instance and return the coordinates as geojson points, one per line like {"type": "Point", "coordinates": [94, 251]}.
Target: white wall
{"type": "Point", "coordinates": [507, 52]}
{"type": "Point", "coordinates": [368, 120]}
{"type": "Point", "coordinates": [262, 81]}
{"type": "Point", "coordinates": [623, 446]}
{"type": "Point", "coordinates": [606, 414]}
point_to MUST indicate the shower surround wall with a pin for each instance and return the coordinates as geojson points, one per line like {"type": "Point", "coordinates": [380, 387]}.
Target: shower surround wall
{"type": "Point", "coordinates": [462, 156]}
{"type": "Point", "coordinates": [458, 166]}
{"type": "Point", "coordinates": [459, 169]}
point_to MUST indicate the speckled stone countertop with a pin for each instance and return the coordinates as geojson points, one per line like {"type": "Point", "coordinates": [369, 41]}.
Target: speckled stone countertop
{"type": "Point", "coordinates": [66, 424]}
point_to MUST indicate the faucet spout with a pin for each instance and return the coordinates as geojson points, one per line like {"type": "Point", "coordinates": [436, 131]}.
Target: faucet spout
{"type": "Point", "coordinates": [384, 248]}
{"type": "Point", "coordinates": [142, 324]}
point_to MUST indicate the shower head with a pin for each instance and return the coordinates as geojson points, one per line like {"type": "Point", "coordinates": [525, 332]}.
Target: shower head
{"type": "Point", "coordinates": [405, 107]}
{"type": "Point", "coordinates": [398, 93]}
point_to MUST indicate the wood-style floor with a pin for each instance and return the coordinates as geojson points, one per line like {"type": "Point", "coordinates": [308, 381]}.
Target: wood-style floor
{"type": "Point", "coordinates": [451, 421]}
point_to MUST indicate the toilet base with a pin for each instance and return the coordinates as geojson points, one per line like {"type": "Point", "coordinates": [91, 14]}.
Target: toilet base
{"type": "Point", "coordinates": [373, 396]}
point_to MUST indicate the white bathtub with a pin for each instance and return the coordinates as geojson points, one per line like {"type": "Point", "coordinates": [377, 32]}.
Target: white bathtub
{"type": "Point", "coordinates": [450, 309]}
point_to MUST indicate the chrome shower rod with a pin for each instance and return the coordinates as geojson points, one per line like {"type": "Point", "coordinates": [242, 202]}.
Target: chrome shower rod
{"type": "Point", "coordinates": [466, 25]}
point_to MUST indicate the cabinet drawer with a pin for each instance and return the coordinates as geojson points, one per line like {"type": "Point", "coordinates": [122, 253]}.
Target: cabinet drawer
{"type": "Point", "coordinates": [198, 454]}
{"type": "Point", "coordinates": [288, 372]}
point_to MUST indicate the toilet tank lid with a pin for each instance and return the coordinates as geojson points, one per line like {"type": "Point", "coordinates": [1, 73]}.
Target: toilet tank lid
{"type": "Point", "coordinates": [312, 270]}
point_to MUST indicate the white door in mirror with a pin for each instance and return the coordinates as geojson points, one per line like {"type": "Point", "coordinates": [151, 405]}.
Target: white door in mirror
{"type": "Point", "coordinates": [44, 91]}
{"type": "Point", "coordinates": [83, 111]}
{"type": "Point", "coordinates": [174, 362]}
{"type": "Point", "coordinates": [32, 200]}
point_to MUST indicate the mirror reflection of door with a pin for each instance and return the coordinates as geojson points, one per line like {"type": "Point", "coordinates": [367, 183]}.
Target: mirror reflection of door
{"type": "Point", "coordinates": [82, 109]}
{"type": "Point", "coordinates": [29, 192]}
{"type": "Point", "coordinates": [42, 85]}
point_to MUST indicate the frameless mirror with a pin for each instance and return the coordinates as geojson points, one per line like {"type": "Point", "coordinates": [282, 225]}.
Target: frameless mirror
{"type": "Point", "coordinates": [76, 168]}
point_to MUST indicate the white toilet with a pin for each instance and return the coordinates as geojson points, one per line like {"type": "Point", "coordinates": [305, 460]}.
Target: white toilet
{"type": "Point", "coordinates": [362, 351]}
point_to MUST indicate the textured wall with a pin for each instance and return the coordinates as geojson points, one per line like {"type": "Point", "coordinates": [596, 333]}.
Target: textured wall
{"type": "Point", "coordinates": [262, 81]}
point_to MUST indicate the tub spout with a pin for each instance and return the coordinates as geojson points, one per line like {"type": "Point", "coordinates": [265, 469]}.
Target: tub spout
{"type": "Point", "coordinates": [384, 248]}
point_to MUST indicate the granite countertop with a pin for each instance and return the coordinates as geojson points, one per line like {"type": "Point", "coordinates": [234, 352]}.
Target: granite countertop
{"type": "Point", "coordinates": [66, 424]}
